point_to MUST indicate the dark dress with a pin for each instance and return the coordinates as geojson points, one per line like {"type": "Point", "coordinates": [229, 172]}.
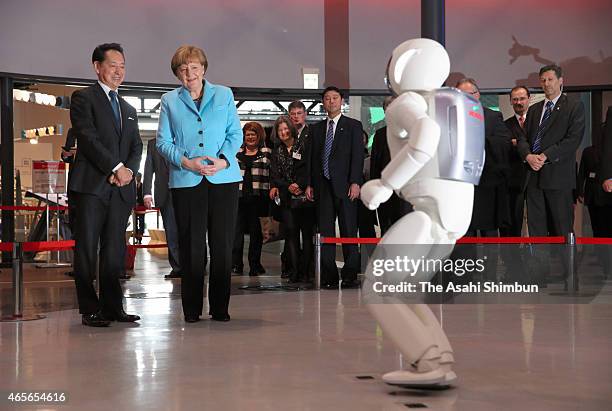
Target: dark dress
{"type": "Point", "coordinates": [298, 216]}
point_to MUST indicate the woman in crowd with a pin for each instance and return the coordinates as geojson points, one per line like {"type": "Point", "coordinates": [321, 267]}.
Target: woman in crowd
{"type": "Point", "coordinates": [288, 183]}
{"type": "Point", "coordinates": [199, 134]}
{"type": "Point", "coordinates": [254, 162]}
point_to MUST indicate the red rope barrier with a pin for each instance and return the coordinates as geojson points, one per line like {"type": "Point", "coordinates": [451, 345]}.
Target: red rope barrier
{"type": "Point", "coordinates": [22, 208]}
{"type": "Point", "coordinates": [6, 247]}
{"type": "Point", "coordinates": [511, 240]}
{"type": "Point", "coordinates": [163, 245]}
{"type": "Point", "coordinates": [592, 240]}
{"type": "Point", "coordinates": [480, 240]}
{"type": "Point", "coordinates": [62, 245]}
{"type": "Point", "coordinates": [32, 208]}
{"type": "Point", "coordinates": [48, 245]}
{"type": "Point", "coordinates": [145, 209]}
{"type": "Point", "coordinates": [351, 240]}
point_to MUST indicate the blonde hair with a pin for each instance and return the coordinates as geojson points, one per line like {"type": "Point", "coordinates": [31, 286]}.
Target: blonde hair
{"type": "Point", "coordinates": [186, 53]}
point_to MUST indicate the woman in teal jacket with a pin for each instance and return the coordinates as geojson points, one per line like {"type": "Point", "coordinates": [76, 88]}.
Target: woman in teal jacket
{"type": "Point", "coordinates": [199, 134]}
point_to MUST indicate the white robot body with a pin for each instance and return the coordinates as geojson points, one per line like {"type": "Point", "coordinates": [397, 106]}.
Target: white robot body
{"type": "Point", "coordinates": [436, 141]}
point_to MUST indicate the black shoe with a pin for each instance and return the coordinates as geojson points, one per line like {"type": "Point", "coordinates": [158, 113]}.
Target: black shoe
{"type": "Point", "coordinates": [95, 320]}
{"type": "Point", "coordinates": [254, 272]}
{"type": "Point", "coordinates": [173, 274]}
{"type": "Point", "coordinates": [237, 269]}
{"type": "Point", "coordinates": [350, 284]}
{"type": "Point", "coordinates": [69, 273]}
{"type": "Point", "coordinates": [329, 286]}
{"type": "Point", "coordinates": [124, 276]}
{"type": "Point", "coordinates": [221, 317]}
{"type": "Point", "coordinates": [121, 317]}
{"type": "Point", "coordinates": [192, 318]}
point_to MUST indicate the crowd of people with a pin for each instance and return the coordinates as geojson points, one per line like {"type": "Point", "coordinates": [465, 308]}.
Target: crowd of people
{"type": "Point", "coordinates": [215, 180]}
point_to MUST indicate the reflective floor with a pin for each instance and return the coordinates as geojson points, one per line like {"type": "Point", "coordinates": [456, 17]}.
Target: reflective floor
{"type": "Point", "coordinates": [292, 350]}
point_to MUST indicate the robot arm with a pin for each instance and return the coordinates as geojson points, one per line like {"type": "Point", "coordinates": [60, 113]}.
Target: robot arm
{"type": "Point", "coordinates": [419, 149]}
{"type": "Point", "coordinates": [406, 120]}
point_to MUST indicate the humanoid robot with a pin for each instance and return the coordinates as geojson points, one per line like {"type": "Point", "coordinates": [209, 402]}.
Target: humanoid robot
{"type": "Point", "coordinates": [436, 141]}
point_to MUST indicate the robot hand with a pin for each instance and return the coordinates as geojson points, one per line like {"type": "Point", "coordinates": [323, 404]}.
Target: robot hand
{"type": "Point", "coordinates": [375, 192]}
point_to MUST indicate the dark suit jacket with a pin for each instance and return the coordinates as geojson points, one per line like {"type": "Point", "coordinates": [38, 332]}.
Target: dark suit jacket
{"type": "Point", "coordinates": [518, 168]}
{"type": "Point", "coordinates": [101, 144]}
{"type": "Point", "coordinates": [605, 171]}
{"type": "Point", "coordinates": [156, 164]}
{"type": "Point", "coordinates": [380, 156]}
{"type": "Point", "coordinates": [302, 168]}
{"type": "Point", "coordinates": [497, 147]}
{"type": "Point", "coordinates": [561, 138]}
{"type": "Point", "coordinates": [345, 160]}
{"type": "Point", "coordinates": [589, 183]}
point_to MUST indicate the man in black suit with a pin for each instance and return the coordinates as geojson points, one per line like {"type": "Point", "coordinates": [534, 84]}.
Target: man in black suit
{"type": "Point", "coordinates": [519, 98]}
{"type": "Point", "coordinates": [395, 208]}
{"type": "Point", "coordinates": [337, 153]}
{"type": "Point", "coordinates": [109, 154]}
{"type": "Point", "coordinates": [555, 128]}
{"type": "Point", "coordinates": [490, 211]}
{"type": "Point", "coordinates": [157, 165]}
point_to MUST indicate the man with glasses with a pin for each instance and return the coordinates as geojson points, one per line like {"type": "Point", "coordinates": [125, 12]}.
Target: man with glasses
{"type": "Point", "coordinates": [519, 98]}
{"type": "Point", "coordinates": [490, 210]}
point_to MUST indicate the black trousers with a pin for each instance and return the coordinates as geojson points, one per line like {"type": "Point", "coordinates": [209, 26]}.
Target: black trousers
{"type": "Point", "coordinates": [391, 211]}
{"type": "Point", "coordinates": [206, 210]}
{"type": "Point", "coordinates": [100, 220]}
{"type": "Point", "coordinates": [169, 220]}
{"type": "Point", "coordinates": [329, 208]}
{"type": "Point", "coordinates": [601, 223]}
{"type": "Point", "coordinates": [248, 223]}
{"type": "Point", "coordinates": [301, 258]}
{"type": "Point", "coordinates": [601, 220]}
{"type": "Point", "coordinates": [549, 212]}
{"type": "Point", "coordinates": [516, 198]}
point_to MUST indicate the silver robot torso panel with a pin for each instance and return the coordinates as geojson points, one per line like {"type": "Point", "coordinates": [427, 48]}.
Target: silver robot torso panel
{"type": "Point", "coordinates": [461, 151]}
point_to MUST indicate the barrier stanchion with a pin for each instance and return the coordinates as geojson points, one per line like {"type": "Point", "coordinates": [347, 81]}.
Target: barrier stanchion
{"type": "Point", "coordinates": [317, 256]}
{"type": "Point", "coordinates": [17, 280]}
{"type": "Point", "coordinates": [572, 277]}
{"type": "Point", "coordinates": [17, 289]}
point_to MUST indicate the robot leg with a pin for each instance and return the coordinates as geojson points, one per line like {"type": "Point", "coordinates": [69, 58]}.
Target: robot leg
{"type": "Point", "coordinates": [414, 329]}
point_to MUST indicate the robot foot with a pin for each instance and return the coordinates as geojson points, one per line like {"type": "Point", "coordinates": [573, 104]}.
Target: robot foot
{"type": "Point", "coordinates": [438, 378]}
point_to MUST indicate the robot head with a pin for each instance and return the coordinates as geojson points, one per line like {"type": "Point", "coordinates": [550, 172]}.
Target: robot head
{"type": "Point", "coordinates": [417, 64]}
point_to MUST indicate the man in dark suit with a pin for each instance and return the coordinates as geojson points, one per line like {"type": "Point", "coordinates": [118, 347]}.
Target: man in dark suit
{"type": "Point", "coordinates": [392, 210]}
{"type": "Point", "coordinates": [519, 98]}
{"type": "Point", "coordinates": [555, 128]}
{"type": "Point", "coordinates": [157, 165]}
{"type": "Point", "coordinates": [109, 154]}
{"type": "Point", "coordinates": [491, 209]}
{"type": "Point", "coordinates": [337, 153]}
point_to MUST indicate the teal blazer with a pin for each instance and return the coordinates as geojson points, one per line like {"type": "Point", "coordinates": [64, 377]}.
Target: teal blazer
{"type": "Point", "coordinates": [213, 130]}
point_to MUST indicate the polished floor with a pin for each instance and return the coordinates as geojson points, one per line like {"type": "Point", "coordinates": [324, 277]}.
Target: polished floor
{"type": "Point", "coordinates": [292, 350]}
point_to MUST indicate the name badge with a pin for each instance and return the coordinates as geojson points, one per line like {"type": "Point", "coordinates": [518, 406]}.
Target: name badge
{"type": "Point", "coordinates": [297, 156]}
{"type": "Point", "coordinates": [592, 175]}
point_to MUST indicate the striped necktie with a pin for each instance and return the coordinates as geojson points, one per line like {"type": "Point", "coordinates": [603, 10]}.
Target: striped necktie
{"type": "Point", "coordinates": [537, 143]}
{"type": "Point", "coordinates": [329, 140]}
